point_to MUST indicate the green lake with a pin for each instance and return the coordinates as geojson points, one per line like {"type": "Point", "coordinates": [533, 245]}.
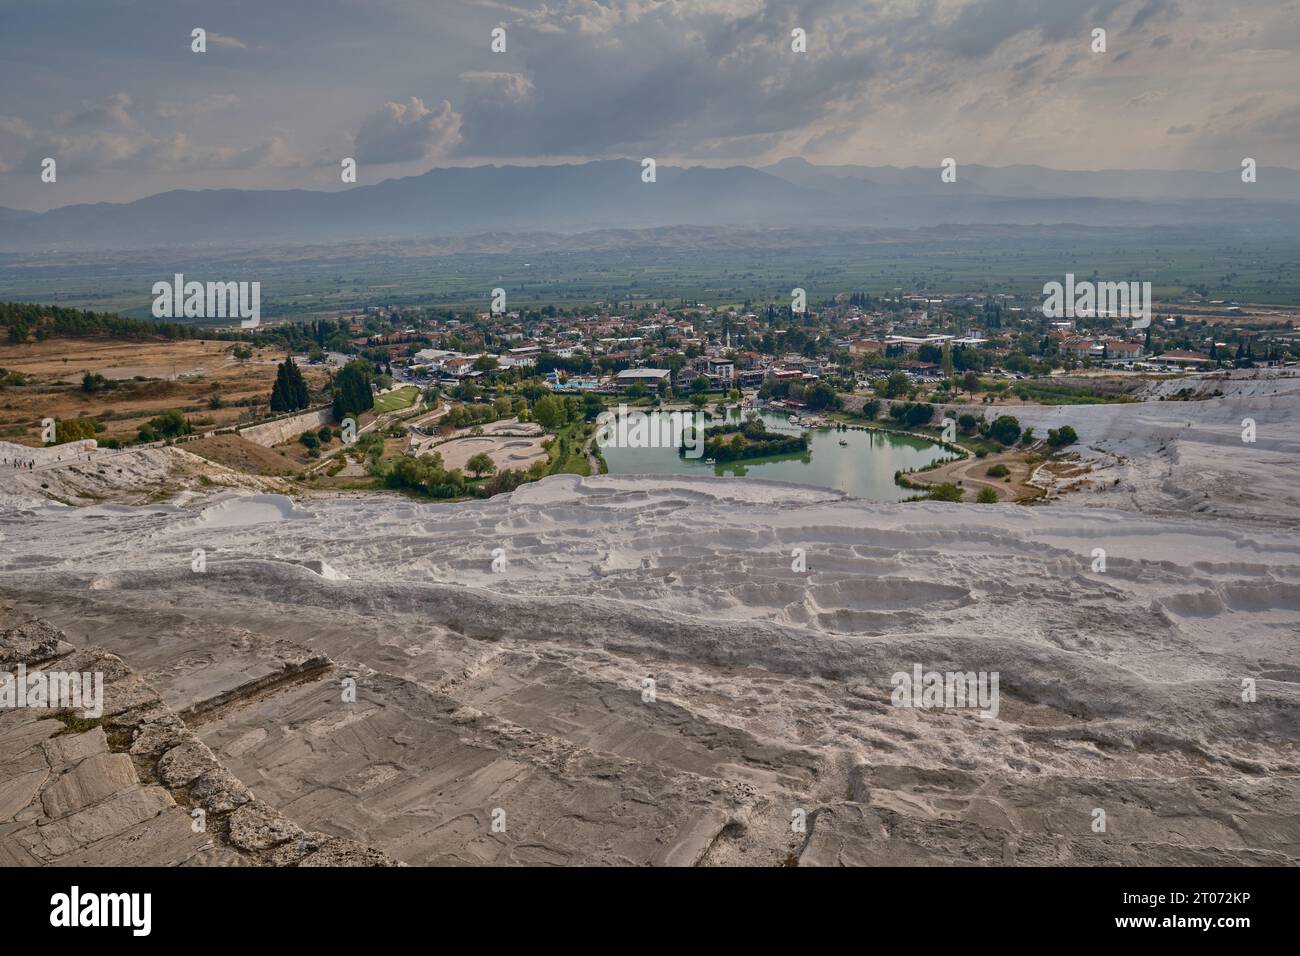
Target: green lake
{"type": "Point", "coordinates": [863, 467]}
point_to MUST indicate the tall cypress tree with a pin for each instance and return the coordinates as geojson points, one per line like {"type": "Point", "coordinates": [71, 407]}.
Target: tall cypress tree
{"type": "Point", "coordinates": [352, 393]}
{"type": "Point", "coordinates": [281, 394]}
{"type": "Point", "coordinates": [297, 384]}
{"type": "Point", "coordinates": [290, 390]}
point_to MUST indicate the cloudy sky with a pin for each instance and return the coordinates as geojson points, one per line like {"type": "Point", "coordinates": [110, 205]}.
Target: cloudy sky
{"type": "Point", "coordinates": [287, 88]}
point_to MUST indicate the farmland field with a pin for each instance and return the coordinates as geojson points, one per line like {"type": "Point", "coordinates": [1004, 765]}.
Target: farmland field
{"type": "Point", "coordinates": [640, 265]}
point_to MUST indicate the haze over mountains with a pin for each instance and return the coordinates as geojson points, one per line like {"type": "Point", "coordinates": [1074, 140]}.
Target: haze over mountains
{"type": "Point", "coordinates": [610, 194]}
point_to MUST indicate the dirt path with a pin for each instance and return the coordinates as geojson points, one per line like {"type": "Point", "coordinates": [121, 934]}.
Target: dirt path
{"type": "Point", "coordinates": [971, 474]}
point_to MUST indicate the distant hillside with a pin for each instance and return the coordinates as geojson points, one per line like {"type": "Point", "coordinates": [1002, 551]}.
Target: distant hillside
{"type": "Point", "coordinates": [1273, 184]}
{"type": "Point", "coordinates": [25, 320]}
{"type": "Point", "coordinates": [610, 194]}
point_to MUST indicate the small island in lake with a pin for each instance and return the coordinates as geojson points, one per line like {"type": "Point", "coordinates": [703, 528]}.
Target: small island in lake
{"type": "Point", "coordinates": [750, 439]}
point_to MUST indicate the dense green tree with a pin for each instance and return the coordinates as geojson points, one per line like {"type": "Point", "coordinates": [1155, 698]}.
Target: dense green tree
{"type": "Point", "coordinates": [1060, 437]}
{"type": "Point", "coordinates": [352, 394]}
{"type": "Point", "coordinates": [170, 424]}
{"type": "Point", "coordinates": [1005, 428]}
{"type": "Point", "coordinates": [75, 429]}
{"type": "Point", "coordinates": [592, 406]}
{"type": "Point", "coordinates": [281, 391]}
{"type": "Point", "coordinates": [549, 412]}
{"type": "Point", "coordinates": [301, 396]}
{"type": "Point", "coordinates": [289, 392]}
{"type": "Point", "coordinates": [897, 385]}
{"type": "Point", "coordinates": [481, 464]}
{"type": "Point", "coordinates": [822, 396]}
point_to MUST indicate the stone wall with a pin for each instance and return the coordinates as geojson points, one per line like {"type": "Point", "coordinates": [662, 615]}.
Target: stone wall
{"type": "Point", "coordinates": [286, 429]}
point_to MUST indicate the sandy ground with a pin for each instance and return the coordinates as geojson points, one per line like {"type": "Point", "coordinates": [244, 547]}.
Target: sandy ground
{"type": "Point", "coordinates": [510, 443]}
{"type": "Point", "coordinates": [971, 475]}
{"type": "Point", "coordinates": [506, 453]}
{"type": "Point", "coordinates": [238, 453]}
{"type": "Point", "coordinates": [116, 358]}
{"type": "Point", "coordinates": [180, 375]}
{"type": "Point", "coordinates": [501, 651]}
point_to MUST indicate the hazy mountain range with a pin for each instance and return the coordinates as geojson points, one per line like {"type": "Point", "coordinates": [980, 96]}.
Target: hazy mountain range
{"type": "Point", "coordinates": [610, 194]}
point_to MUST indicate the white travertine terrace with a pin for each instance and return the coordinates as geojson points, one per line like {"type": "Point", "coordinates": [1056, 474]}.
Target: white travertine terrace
{"type": "Point", "coordinates": [522, 689]}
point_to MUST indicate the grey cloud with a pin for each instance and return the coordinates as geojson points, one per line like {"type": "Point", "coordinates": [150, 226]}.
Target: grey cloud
{"type": "Point", "coordinates": [1279, 125]}
{"type": "Point", "coordinates": [509, 88]}
{"type": "Point", "coordinates": [208, 104]}
{"type": "Point", "coordinates": [15, 136]}
{"type": "Point", "coordinates": [229, 43]}
{"type": "Point", "coordinates": [413, 82]}
{"type": "Point", "coordinates": [399, 132]}
{"type": "Point", "coordinates": [112, 112]}
{"type": "Point", "coordinates": [1152, 10]}
{"type": "Point", "coordinates": [179, 153]}
{"type": "Point", "coordinates": [980, 28]}
{"type": "Point", "coordinates": [664, 78]}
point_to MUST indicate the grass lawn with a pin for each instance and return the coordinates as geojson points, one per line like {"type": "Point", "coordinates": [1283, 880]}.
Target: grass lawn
{"type": "Point", "coordinates": [571, 461]}
{"type": "Point", "coordinates": [395, 400]}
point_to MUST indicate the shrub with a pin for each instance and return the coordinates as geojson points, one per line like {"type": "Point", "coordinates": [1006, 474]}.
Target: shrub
{"type": "Point", "coordinates": [1060, 437]}
{"type": "Point", "coordinates": [911, 414]}
{"type": "Point", "coordinates": [169, 424]}
{"type": "Point", "coordinates": [1005, 429]}
{"type": "Point", "coordinates": [998, 471]}
{"type": "Point", "coordinates": [987, 496]}
{"type": "Point", "coordinates": [94, 382]}
{"type": "Point", "coordinates": [946, 492]}
{"type": "Point", "coordinates": [75, 429]}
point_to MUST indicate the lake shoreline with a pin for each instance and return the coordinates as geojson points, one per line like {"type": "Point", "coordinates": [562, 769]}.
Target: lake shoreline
{"type": "Point", "coordinates": [862, 467]}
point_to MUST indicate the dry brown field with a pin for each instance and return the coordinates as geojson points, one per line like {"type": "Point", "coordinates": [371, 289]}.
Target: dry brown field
{"type": "Point", "coordinates": [150, 377]}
